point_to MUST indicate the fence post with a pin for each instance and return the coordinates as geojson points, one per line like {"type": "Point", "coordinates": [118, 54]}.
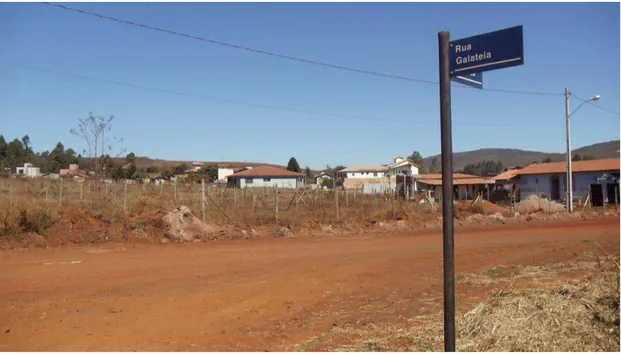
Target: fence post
{"type": "Point", "coordinates": [276, 203]}
{"type": "Point", "coordinates": [10, 194]}
{"type": "Point", "coordinates": [175, 197]}
{"type": "Point", "coordinates": [336, 202]}
{"type": "Point", "coordinates": [82, 192]}
{"type": "Point", "coordinates": [125, 197]}
{"type": "Point", "coordinates": [161, 188]}
{"type": "Point", "coordinates": [392, 197]}
{"type": "Point", "coordinates": [346, 197]}
{"type": "Point", "coordinates": [616, 199]}
{"type": "Point", "coordinates": [144, 191]}
{"type": "Point", "coordinates": [203, 201]}
{"type": "Point", "coordinates": [47, 187]}
{"type": "Point", "coordinates": [254, 200]}
{"type": "Point", "coordinates": [235, 198]}
{"type": "Point", "coordinates": [60, 193]}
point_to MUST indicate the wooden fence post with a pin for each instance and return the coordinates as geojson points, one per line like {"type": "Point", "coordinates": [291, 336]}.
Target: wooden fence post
{"type": "Point", "coordinates": [235, 198]}
{"type": "Point", "coordinates": [10, 194]}
{"type": "Point", "coordinates": [336, 202]}
{"type": "Point", "coordinates": [175, 197]}
{"type": "Point", "coordinates": [125, 197]}
{"type": "Point", "coordinates": [394, 209]}
{"type": "Point", "coordinates": [254, 200]}
{"type": "Point", "coordinates": [276, 203]}
{"type": "Point", "coordinates": [203, 201]}
{"type": "Point", "coordinates": [47, 187]}
{"type": "Point", "coordinates": [82, 192]}
{"type": "Point", "coordinates": [60, 193]}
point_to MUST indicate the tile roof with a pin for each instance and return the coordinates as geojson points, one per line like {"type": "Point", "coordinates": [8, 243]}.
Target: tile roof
{"type": "Point", "coordinates": [577, 166]}
{"type": "Point", "coordinates": [266, 171]}
{"type": "Point", "coordinates": [507, 175]}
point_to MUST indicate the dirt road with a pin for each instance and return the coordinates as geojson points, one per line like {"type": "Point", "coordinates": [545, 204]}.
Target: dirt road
{"type": "Point", "coordinates": [247, 295]}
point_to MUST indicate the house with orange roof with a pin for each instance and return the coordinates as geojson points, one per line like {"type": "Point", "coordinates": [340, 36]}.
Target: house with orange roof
{"type": "Point", "coordinates": [600, 178]}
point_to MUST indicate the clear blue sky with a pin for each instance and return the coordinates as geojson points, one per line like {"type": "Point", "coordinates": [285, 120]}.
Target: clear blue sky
{"type": "Point", "coordinates": [573, 45]}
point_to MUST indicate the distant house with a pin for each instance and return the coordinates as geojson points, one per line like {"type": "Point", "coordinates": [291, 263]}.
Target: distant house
{"type": "Point", "coordinates": [28, 170]}
{"type": "Point", "coordinates": [465, 187]}
{"type": "Point", "coordinates": [225, 170]}
{"type": "Point", "coordinates": [600, 178]}
{"type": "Point", "coordinates": [401, 166]}
{"type": "Point", "coordinates": [73, 170]}
{"type": "Point", "coordinates": [266, 176]}
{"type": "Point", "coordinates": [322, 177]}
{"type": "Point", "coordinates": [364, 171]}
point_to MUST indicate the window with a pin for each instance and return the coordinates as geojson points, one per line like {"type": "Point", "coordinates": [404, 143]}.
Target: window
{"type": "Point", "coordinates": [266, 179]}
{"type": "Point", "coordinates": [374, 174]}
{"type": "Point", "coordinates": [249, 180]}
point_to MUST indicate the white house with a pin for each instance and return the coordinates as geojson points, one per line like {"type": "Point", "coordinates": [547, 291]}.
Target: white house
{"type": "Point", "coordinates": [364, 171]}
{"type": "Point", "coordinates": [28, 170]}
{"type": "Point", "coordinates": [322, 177]}
{"type": "Point", "coordinates": [225, 170]}
{"type": "Point", "coordinates": [402, 166]}
{"type": "Point", "coordinates": [598, 177]}
{"type": "Point", "coordinates": [266, 176]}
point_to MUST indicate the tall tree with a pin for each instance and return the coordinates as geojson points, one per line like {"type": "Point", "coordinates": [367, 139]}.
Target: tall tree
{"type": "Point", "coordinates": [3, 146]}
{"type": "Point", "coordinates": [94, 131]}
{"type": "Point", "coordinates": [309, 175]}
{"type": "Point", "coordinates": [293, 165]}
{"type": "Point", "coordinates": [434, 166]}
{"type": "Point", "coordinates": [546, 160]}
{"type": "Point", "coordinates": [130, 158]}
{"type": "Point", "coordinates": [180, 169]}
{"type": "Point", "coordinates": [417, 159]}
{"type": "Point", "coordinates": [209, 172]}
{"type": "Point", "coordinates": [15, 154]}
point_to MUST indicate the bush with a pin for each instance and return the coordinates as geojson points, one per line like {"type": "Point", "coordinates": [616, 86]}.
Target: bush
{"type": "Point", "coordinates": [36, 220]}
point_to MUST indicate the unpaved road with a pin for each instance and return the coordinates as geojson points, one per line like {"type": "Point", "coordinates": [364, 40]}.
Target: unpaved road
{"type": "Point", "coordinates": [240, 296]}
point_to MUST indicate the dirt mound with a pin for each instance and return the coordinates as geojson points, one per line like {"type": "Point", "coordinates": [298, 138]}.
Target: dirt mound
{"type": "Point", "coordinates": [534, 203]}
{"type": "Point", "coordinates": [183, 226]}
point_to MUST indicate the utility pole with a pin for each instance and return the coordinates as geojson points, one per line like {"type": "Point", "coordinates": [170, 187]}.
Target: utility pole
{"type": "Point", "coordinates": [569, 184]}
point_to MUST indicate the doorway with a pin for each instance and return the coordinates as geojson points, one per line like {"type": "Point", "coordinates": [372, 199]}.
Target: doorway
{"type": "Point", "coordinates": [597, 195]}
{"type": "Point", "coordinates": [612, 190]}
{"type": "Point", "coordinates": [555, 188]}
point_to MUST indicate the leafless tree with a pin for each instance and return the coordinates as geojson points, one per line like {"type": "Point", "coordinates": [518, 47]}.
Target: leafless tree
{"type": "Point", "coordinates": [93, 131]}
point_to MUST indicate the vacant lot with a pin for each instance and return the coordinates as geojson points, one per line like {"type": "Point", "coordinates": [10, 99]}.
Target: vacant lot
{"type": "Point", "coordinates": [318, 293]}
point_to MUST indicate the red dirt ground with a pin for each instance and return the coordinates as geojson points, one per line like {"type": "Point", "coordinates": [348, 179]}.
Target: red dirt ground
{"type": "Point", "coordinates": [254, 295]}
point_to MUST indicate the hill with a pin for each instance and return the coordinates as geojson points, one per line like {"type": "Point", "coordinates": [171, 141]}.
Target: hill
{"type": "Point", "coordinates": [516, 157]}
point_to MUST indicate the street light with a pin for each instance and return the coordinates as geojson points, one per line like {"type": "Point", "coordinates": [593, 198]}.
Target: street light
{"type": "Point", "coordinates": [569, 184]}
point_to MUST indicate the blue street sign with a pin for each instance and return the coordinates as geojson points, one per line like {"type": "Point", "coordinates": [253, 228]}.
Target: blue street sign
{"type": "Point", "coordinates": [489, 51]}
{"type": "Point", "coordinates": [474, 80]}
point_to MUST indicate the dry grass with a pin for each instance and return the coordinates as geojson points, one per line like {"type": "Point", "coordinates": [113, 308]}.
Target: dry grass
{"type": "Point", "coordinates": [548, 314]}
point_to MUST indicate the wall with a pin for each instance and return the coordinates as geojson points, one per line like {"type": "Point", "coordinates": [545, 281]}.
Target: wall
{"type": "Point", "coordinates": [281, 182]}
{"type": "Point", "coordinates": [224, 172]}
{"type": "Point", "coordinates": [378, 188]}
{"type": "Point", "coordinates": [582, 183]}
{"type": "Point", "coordinates": [365, 174]}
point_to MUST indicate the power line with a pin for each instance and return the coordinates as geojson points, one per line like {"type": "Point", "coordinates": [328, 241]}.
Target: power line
{"type": "Point", "coordinates": [284, 56]}
{"type": "Point", "coordinates": [250, 104]}
{"type": "Point", "coordinates": [596, 105]}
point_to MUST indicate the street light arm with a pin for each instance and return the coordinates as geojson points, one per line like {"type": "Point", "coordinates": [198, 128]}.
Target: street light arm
{"type": "Point", "coordinates": [577, 108]}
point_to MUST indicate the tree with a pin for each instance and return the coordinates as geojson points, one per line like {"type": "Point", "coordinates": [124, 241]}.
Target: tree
{"type": "Point", "coordinates": [417, 159]}
{"type": "Point", "coordinates": [588, 158]}
{"type": "Point", "coordinates": [180, 169]}
{"type": "Point", "coordinates": [93, 131]}
{"type": "Point", "coordinates": [15, 154]}
{"type": "Point", "coordinates": [130, 158]}
{"type": "Point", "coordinates": [293, 165]}
{"type": "Point", "coordinates": [209, 172]}
{"type": "Point", "coordinates": [434, 166]}
{"type": "Point", "coordinates": [309, 175]}
{"type": "Point", "coordinates": [576, 157]}
{"type": "Point", "coordinates": [484, 168]}
{"type": "Point", "coordinates": [152, 169]}
{"type": "Point", "coordinates": [166, 174]}
{"type": "Point", "coordinates": [546, 160]}
{"type": "Point", "coordinates": [3, 146]}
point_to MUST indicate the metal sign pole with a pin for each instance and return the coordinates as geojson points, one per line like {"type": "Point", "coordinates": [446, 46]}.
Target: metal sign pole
{"type": "Point", "coordinates": [447, 192]}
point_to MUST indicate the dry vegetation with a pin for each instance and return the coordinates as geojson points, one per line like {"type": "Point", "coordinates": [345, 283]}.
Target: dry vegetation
{"type": "Point", "coordinates": [49, 213]}
{"type": "Point", "coordinates": [562, 307]}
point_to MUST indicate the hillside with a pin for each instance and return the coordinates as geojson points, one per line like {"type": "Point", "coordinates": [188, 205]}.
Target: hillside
{"type": "Point", "coordinates": [516, 157]}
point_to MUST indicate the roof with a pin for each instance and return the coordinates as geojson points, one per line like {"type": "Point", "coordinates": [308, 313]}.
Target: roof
{"type": "Point", "coordinates": [457, 182]}
{"type": "Point", "coordinates": [364, 168]}
{"type": "Point", "coordinates": [577, 166]}
{"type": "Point", "coordinates": [402, 163]}
{"type": "Point", "coordinates": [266, 171]}
{"type": "Point", "coordinates": [507, 175]}
{"type": "Point", "coordinates": [428, 176]}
